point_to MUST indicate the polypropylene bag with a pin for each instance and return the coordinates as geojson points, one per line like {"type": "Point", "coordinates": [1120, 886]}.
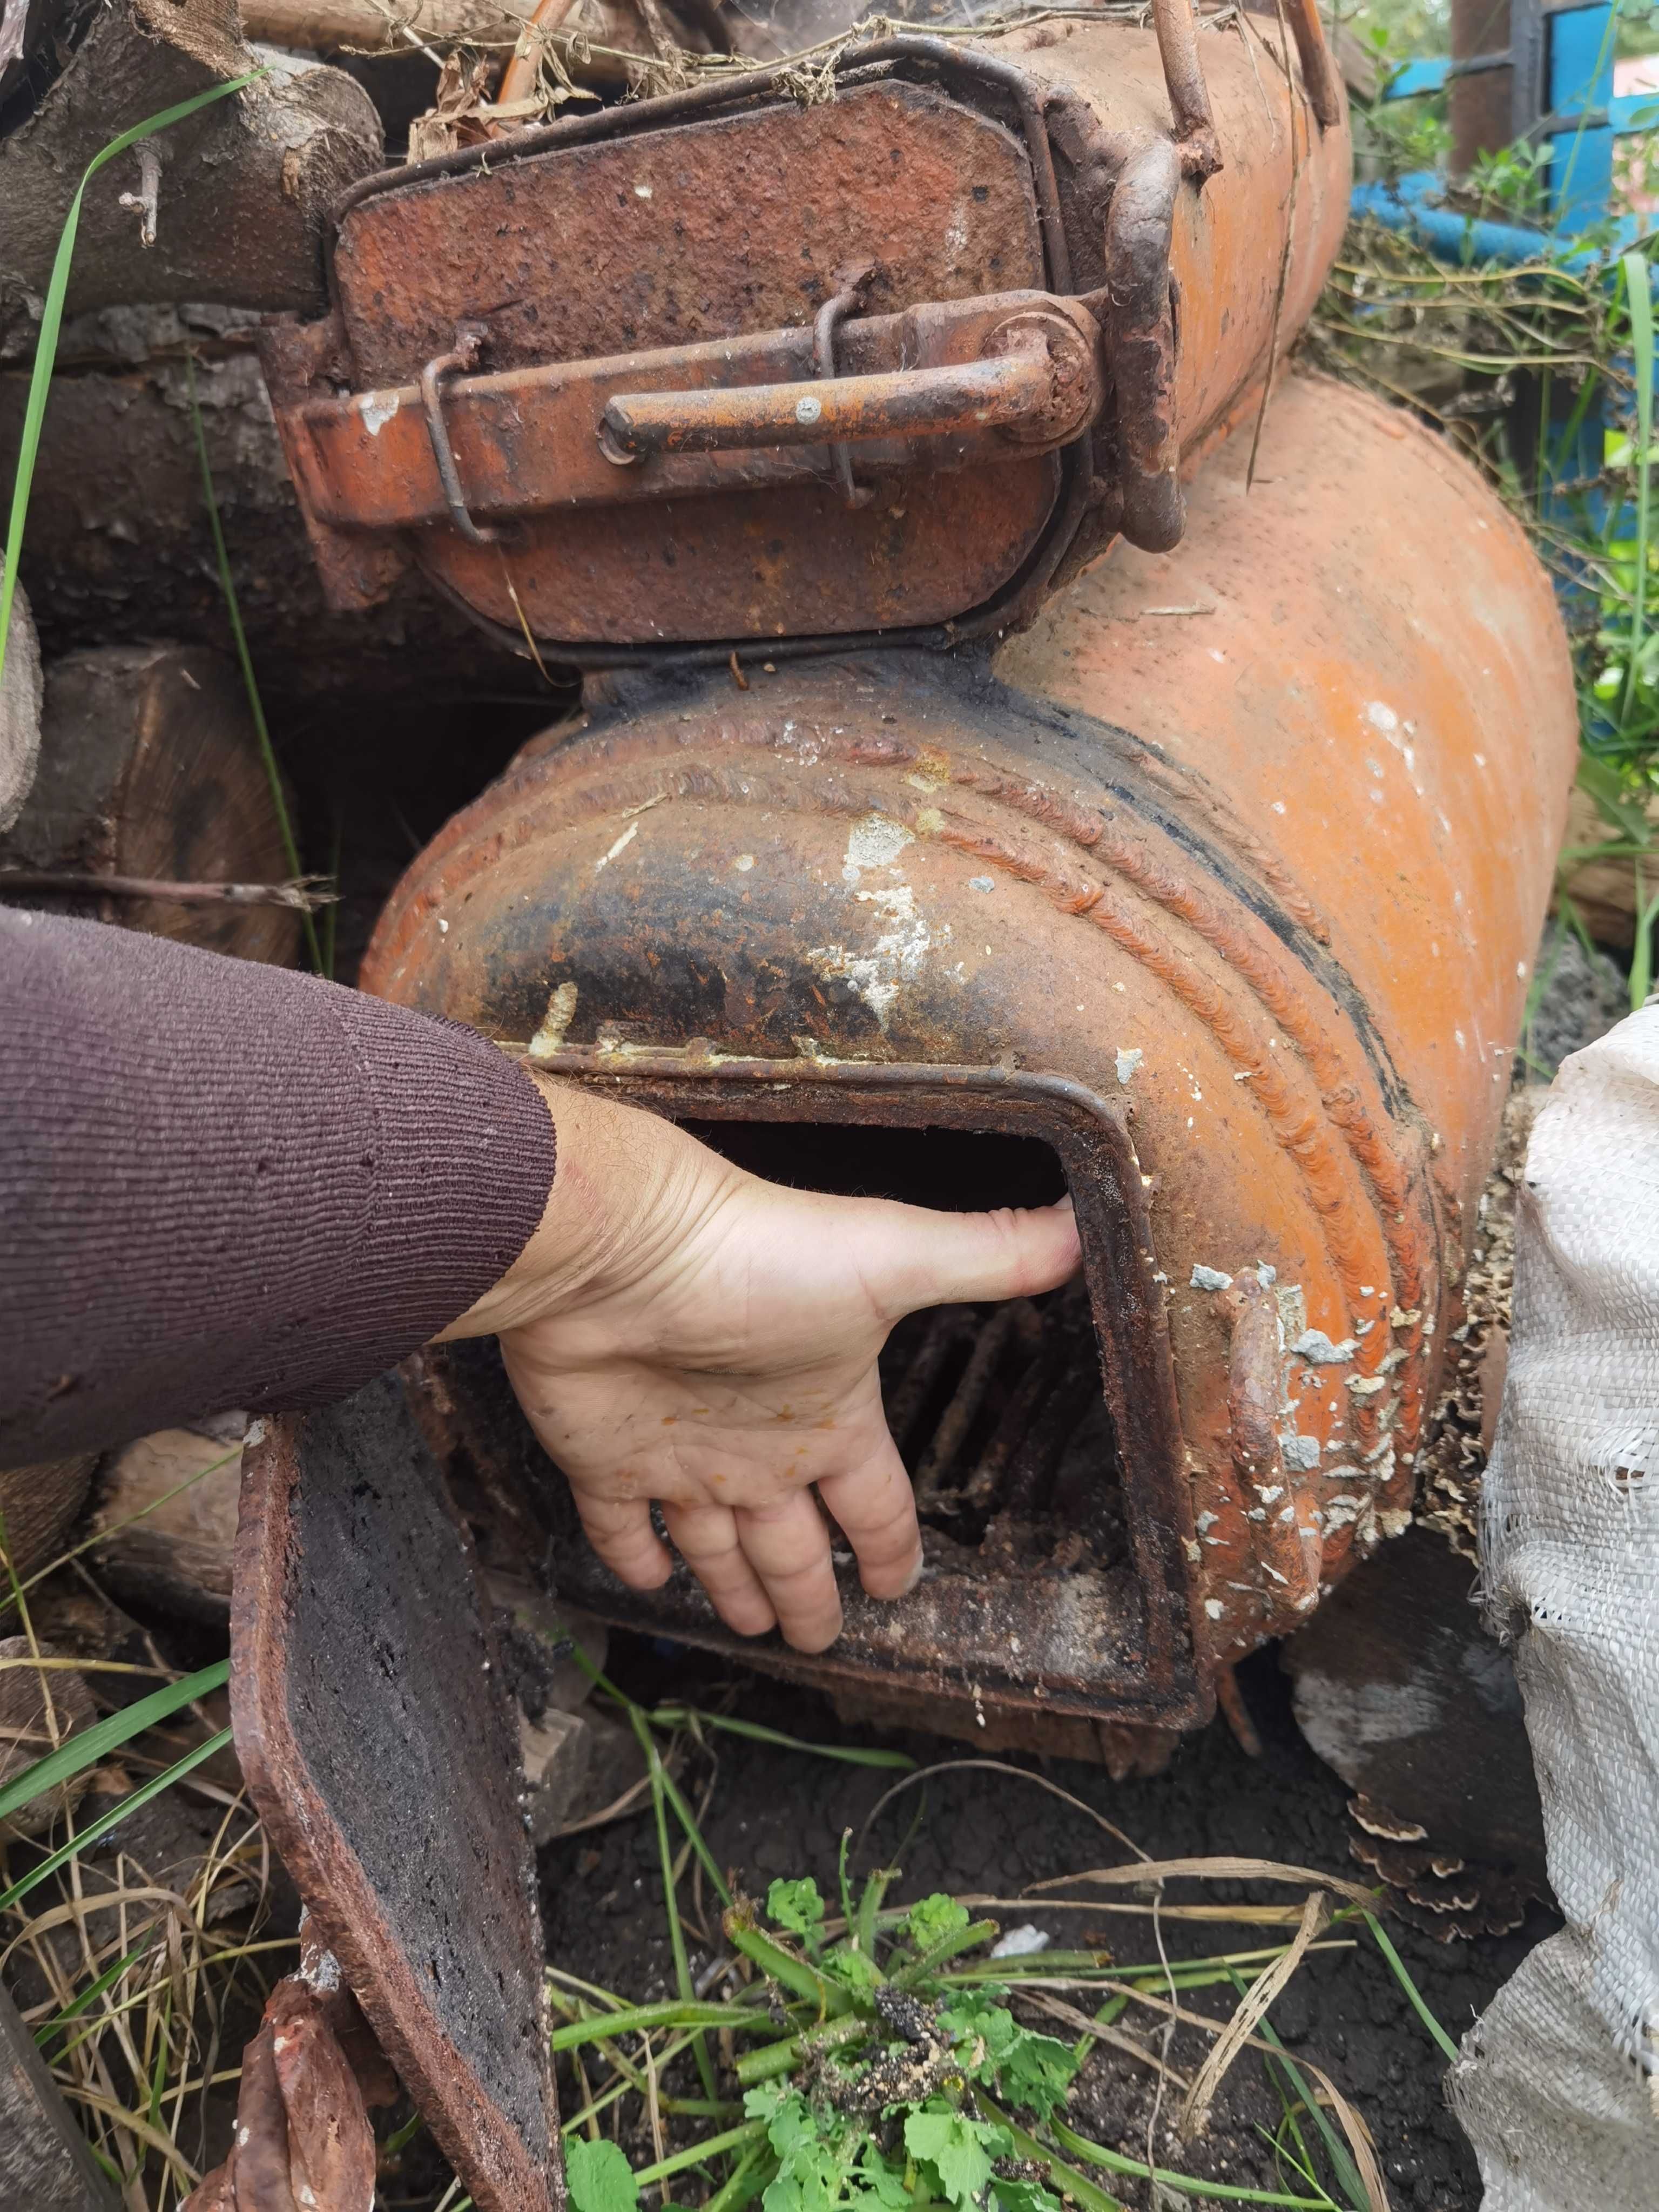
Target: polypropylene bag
{"type": "Point", "coordinates": [1558, 2084]}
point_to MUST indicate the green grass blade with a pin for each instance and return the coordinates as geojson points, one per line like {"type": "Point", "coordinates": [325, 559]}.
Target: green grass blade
{"type": "Point", "coordinates": [753, 2171]}
{"type": "Point", "coordinates": [51, 319]}
{"type": "Point", "coordinates": [848, 1754]}
{"type": "Point", "coordinates": [244, 662]}
{"type": "Point", "coordinates": [93, 1990]}
{"type": "Point", "coordinates": [1116, 2162]}
{"type": "Point", "coordinates": [1638, 298]}
{"type": "Point", "coordinates": [695, 2154]}
{"type": "Point", "coordinates": [670, 1895]}
{"type": "Point", "coordinates": [90, 1745]}
{"type": "Point", "coordinates": [1075, 2186]}
{"type": "Point", "coordinates": [117, 1814]}
{"type": "Point", "coordinates": [687, 1820]}
{"type": "Point", "coordinates": [1341, 2158]}
{"type": "Point", "coordinates": [643, 2020]}
{"type": "Point", "coordinates": [1404, 1978]}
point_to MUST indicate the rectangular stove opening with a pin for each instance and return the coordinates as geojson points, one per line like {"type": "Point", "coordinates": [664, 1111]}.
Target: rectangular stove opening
{"type": "Point", "coordinates": [1042, 1436]}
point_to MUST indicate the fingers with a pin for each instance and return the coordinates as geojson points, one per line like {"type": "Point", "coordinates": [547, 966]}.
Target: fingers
{"type": "Point", "coordinates": [620, 1531]}
{"type": "Point", "coordinates": [706, 1537]}
{"type": "Point", "coordinates": [927, 1259]}
{"type": "Point", "coordinates": [876, 1509]}
{"type": "Point", "coordinates": [788, 1546]}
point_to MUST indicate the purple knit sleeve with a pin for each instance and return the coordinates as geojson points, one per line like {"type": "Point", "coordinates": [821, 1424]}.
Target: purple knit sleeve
{"type": "Point", "coordinates": [224, 1184]}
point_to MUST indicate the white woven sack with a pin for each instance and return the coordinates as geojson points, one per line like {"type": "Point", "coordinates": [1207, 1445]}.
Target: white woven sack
{"type": "Point", "coordinates": [1558, 2082]}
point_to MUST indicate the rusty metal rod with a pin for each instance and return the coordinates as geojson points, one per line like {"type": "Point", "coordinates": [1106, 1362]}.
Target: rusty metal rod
{"type": "Point", "coordinates": [920, 403]}
{"type": "Point", "coordinates": [1176, 27]}
{"type": "Point", "coordinates": [970, 1391]}
{"type": "Point", "coordinates": [1319, 75]}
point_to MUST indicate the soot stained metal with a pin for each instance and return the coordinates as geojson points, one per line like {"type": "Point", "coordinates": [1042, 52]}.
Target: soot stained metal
{"type": "Point", "coordinates": [1190, 879]}
{"type": "Point", "coordinates": [862, 389]}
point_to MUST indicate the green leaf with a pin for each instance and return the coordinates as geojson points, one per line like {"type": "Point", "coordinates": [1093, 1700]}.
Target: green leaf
{"type": "Point", "coordinates": [958, 2150]}
{"type": "Point", "coordinates": [882, 2183]}
{"type": "Point", "coordinates": [1601, 781]}
{"type": "Point", "coordinates": [795, 1905]}
{"type": "Point", "coordinates": [599, 2177]}
{"type": "Point", "coordinates": [810, 2172]}
{"type": "Point", "coordinates": [851, 1969]}
{"type": "Point", "coordinates": [791, 2125]}
{"type": "Point", "coordinates": [934, 1921]}
{"type": "Point", "coordinates": [1022, 2196]}
{"type": "Point", "coordinates": [1030, 2071]}
{"type": "Point", "coordinates": [762, 2102]}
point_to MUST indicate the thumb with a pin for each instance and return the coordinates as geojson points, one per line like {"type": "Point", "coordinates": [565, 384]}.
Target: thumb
{"type": "Point", "coordinates": [914, 1257]}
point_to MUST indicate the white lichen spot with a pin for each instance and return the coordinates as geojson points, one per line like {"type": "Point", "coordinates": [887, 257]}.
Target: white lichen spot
{"type": "Point", "coordinates": [377, 409]}
{"type": "Point", "coordinates": [642, 192]}
{"type": "Point", "coordinates": [1382, 717]}
{"type": "Point", "coordinates": [1129, 1058]}
{"type": "Point", "coordinates": [1213, 1606]}
{"type": "Point", "coordinates": [895, 957]}
{"type": "Point", "coordinates": [1209, 1279]}
{"type": "Point", "coordinates": [874, 842]}
{"type": "Point", "coordinates": [1301, 1453]}
{"type": "Point", "coordinates": [1279, 806]}
{"type": "Point", "coordinates": [556, 1022]}
{"type": "Point", "coordinates": [743, 862]}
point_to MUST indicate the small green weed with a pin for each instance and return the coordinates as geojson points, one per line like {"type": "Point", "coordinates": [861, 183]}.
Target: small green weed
{"type": "Point", "coordinates": [871, 2058]}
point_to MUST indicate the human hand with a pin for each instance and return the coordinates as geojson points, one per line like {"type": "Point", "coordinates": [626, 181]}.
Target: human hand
{"type": "Point", "coordinates": [679, 1331]}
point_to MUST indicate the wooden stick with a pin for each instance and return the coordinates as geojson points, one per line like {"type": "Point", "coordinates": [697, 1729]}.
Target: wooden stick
{"type": "Point", "coordinates": [326, 26]}
{"type": "Point", "coordinates": [299, 895]}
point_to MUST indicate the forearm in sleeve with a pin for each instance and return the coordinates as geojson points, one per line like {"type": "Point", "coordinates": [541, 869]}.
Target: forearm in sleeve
{"type": "Point", "coordinates": [224, 1184]}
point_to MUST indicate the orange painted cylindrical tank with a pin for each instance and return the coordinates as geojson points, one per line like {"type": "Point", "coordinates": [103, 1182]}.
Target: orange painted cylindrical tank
{"type": "Point", "coordinates": [1224, 878]}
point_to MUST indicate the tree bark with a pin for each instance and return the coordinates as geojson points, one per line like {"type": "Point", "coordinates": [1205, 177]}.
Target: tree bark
{"type": "Point", "coordinates": [326, 26]}
{"type": "Point", "coordinates": [150, 767]}
{"type": "Point", "coordinates": [45, 2163]}
{"type": "Point", "coordinates": [119, 547]}
{"type": "Point", "coordinates": [20, 712]}
{"type": "Point", "coordinates": [244, 184]}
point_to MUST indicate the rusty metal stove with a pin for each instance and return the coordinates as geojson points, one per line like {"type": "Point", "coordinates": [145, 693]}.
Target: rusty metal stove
{"type": "Point", "coordinates": [909, 847]}
{"type": "Point", "coordinates": [716, 367]}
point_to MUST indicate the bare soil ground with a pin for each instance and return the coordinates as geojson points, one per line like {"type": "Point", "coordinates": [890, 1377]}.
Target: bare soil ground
{"type": "Point", "coordinates": [776, 1813]}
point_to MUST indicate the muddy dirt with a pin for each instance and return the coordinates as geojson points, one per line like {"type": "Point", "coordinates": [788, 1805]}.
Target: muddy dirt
{"type": "Point", "coordinates": [777, 1812]}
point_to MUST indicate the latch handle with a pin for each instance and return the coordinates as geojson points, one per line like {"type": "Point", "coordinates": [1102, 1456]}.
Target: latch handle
{"type": "Point", "coordinates": [1040, 383]}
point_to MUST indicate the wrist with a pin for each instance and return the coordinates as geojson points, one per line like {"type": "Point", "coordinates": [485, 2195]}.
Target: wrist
{"type": "Point", "coordinates": [627, 1185]}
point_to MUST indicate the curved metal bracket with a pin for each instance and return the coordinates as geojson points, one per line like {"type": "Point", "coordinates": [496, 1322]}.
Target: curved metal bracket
{"type": "Point", "coordinates": [1143, 347]}
{"type": "Point", "coordinates": [469, 341]}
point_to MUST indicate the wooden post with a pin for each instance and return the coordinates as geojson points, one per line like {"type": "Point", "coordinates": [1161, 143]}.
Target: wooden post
{"type": "Point", "coordinates": [46, 2163]}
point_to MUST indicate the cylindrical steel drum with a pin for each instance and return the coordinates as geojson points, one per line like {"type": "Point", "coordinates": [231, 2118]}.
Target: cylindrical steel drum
{"type": "Point", "coordinates": [1221, 883]}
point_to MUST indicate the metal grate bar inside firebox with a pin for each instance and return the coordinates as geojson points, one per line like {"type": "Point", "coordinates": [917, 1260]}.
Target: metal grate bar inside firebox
{"type": "Point", "coordinates": [1002, 1419]}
